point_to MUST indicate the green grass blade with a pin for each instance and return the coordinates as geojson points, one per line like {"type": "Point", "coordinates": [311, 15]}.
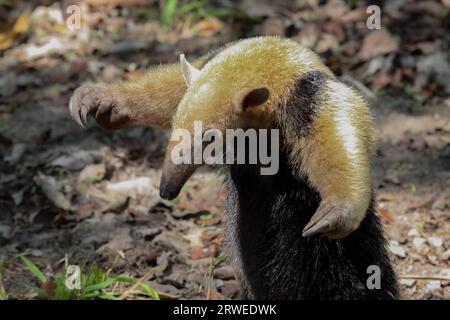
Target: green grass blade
{"type": "Point", "coordinates": [98, 295]}
{"type": "Point", "coordinates": [3, 294]}
{"type": "Point", "coordinates": [108, 296]}
{"type": "Point", "coordinates": [219, 259]}
{"type": "Point", "coordinates": [34, 270]}
{"type": "Point", "coordinates": [192, 6]}
{"type": "Point", "coordinates": [99, 286]}
{"type": "Point", "coordinates": [169, 12]}
{"type": "Point", "coordinates": [152, 293]}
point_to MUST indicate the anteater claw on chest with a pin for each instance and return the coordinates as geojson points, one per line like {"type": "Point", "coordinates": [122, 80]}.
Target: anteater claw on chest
{"type": "Point", "coordinates": [330, 220]}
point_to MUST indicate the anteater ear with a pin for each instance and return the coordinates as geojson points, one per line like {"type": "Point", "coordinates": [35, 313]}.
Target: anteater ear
{"type": "Point", "coordinates": [250, 97]}
{"type": "Point", "coordinates": [190, 72]}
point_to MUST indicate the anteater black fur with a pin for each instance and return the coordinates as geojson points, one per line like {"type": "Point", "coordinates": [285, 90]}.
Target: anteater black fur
{"type": "Point", "coordinates": [265, 219]}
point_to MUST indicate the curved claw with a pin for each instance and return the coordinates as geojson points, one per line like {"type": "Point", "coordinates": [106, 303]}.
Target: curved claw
{"type": "Point", "coordinates": [74, 107]}
{"type": "Point", "coordinates": [323, 226]}
{"type": "Point", "coordinates": [324, 208]}
{"type": "Point", "coordinates": [83, 115]}
{"type": "Point", "coordinates": [330, 220]}
{"type": "Point", "coordinates": [106, 107]}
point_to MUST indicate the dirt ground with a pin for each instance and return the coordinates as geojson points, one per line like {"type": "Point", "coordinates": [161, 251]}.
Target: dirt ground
{"type": "Point", "coordinates": [92, 195]}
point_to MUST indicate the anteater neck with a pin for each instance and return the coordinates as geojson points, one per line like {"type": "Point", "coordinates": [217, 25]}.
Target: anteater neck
{"type": "Point", "coordinates": [265, 219]}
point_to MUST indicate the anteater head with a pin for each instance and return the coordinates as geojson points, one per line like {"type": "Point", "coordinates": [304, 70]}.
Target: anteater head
{"type": "Point", "coordinates": [215, 101]}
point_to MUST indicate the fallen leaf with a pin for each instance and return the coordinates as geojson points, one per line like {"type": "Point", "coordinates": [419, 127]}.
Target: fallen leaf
{"type": "Point", "coordinates": [195, 237]}
{"type": "Point", "coordinates": [165, 290]}
{"type": "Point", "coordinates": [5, 231]}
{"type": "Point", "coordinates": [397, 249]}
{"type": "Point", "coordinates": [386, 215]}
{"type": "Point", "coordinates": [433, 67]}
{"type": "Point", "coordinates": [16, 153]}
{"type": "Point", "coordinates": [308, 35]}
{"type": "Point", "coordinates": [273, 27]}
{"type": "Point", "coordinates": [75, 160]}
{"type": "Point", "coordinates": [376, 43]}
{"type": "Point", "coordinates": [208, 27]}
{"type": "Point", "coordinates": [198, 252]}
{"type": "Point", "coordinates": [49, 288]}
{"type": "Point", "coordinates": [52, 189]}
{"type": "Point", "coordinates": [335, 9]}
{"type": "Point", "coordinates": [134, 186]}
{"type": "Point", "coordinates": [113, 3]}
{"type": "Point", "coordinates": [214, 295]}
{"type": "Point", "coordinates": [209, 222]}
{"type": "Point", "coordinates": [121, 254]}
{"type": "Point", "coordinates": [120, 241]}
{"type": "Point", "coordinates": [107, 200]}
{"type": "Point", "coordinates": [358, 14]}
{"type": "Point", "coordinates": [380, 81]}
{"type": "Point", "coordinates": [91, 173]}
{"type": "Point", "coordinates": [145, 233]}
{"type": "Point", "coordinates": [336, 28]}
{"type": "Point", "coordinates": [224, 273]}
{"type": "Point", "coordinates": [230, 289]}
{"type": "Point", "coordinates": [52, 45]}
{"type": "Point", "coordinates": [18, 196]}
{"type": "Point", "coordinates": [8, 34]}
{"type": "Point", "coordinates": [433, 8]}
{"type": "Point", "coordinates": [8, 84]}
{"type": "Point", "coordinates": [326, 42]}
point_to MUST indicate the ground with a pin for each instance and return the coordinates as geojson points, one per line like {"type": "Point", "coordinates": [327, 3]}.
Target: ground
{"type": "Point", "coordinates": [92, 196]}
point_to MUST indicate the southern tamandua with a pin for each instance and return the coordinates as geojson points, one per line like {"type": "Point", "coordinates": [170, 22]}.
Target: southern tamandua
{"type": "Point", "coordinates": [323, 186]}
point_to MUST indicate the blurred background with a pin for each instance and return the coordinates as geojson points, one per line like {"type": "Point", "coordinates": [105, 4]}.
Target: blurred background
{"type": "Point", "coordinates": [90, 198]}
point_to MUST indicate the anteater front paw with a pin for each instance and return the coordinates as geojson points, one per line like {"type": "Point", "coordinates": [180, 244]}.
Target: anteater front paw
{"type": "Point", "coordinates": [333, 220]}
{"type": "Point", "coordinates": [103, 104]}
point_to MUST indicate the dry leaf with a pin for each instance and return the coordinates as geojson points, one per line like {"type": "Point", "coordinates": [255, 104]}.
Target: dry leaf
{"type": "Point", "coordinates": [273, 27]}
{"type": "Point", "coordinates": [198, 252]}
{"type": "Point", "coordinates": [336, 28]}
{"type": "Point", "coordinates": [49, 288]}
{"type": "Point", "coordinates": [386, 215]}
{"type": "Point", "coordinates": [326, 42]}
{"type": "Point", "coordinates": [92, 173]}
{"type": "Point", "coordinates": [113, 3]}
{"type": "Point", "coordinates": [381, 81]}
{"type": "Point", "coordinates": [9, 34]}
{"type": "Point", "coordinates": [207, 27]}
{"type": "Point", "coordinates": [214, 295]}
{"type": "Point", "coordinates": [308, 35]}
{"type": "Point", "coordinates": [52, 189]}
{"type": "Point", "coordinates": [377, 43]}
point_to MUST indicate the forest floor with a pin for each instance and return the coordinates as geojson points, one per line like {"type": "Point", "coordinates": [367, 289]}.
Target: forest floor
{"type": "Point", "coordinates": [92, 196]}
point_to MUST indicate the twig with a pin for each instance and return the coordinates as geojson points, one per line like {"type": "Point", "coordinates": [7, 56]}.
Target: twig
{"type": "Point", "coordinates": [208, 294]}
{"type": "Point", "coordinates": [165, 295]}
{"type": "Point", "coordinates": [418, 277]}
{"type": "Point", "coordinates": [360, 86]}
{"type": "Point", "coordinates": [146, 277]}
